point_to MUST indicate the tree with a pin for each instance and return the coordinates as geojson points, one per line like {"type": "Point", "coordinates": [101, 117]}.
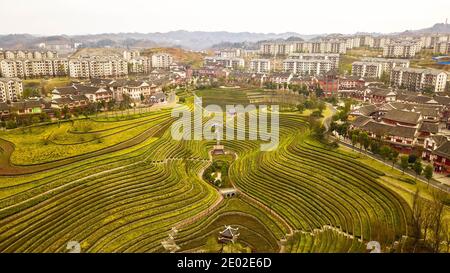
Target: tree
{"type": "Point", "coordinates": [375, 147]}
{"type": "Point", "coordinates": [44, 117]}
{"type": "Point", "coordinates": [404, 162]}
{"type": "Point", "coordinates": [437, 218]}
{"type": "Point", "coordinates": [417, 167]}
{"type": "Point", "coordinates": [319, 92]}
{"type": "Point", "coordinates": [342, 129]}
{"type": "Point", "coordinates": [428, 172]}
{"type": "Point", "coordinates": [394, 157]}
{"type": "Point", "coordinates": [65, 112]}
{"type": "Point", "coordinates": [300, 108]}
{"type": "Point", "coordinates": [30, 92]}
{"type": "Point", "coordinates": [364, 140]}
{"type": "Point", "coordinates": [417, 218]}
{"type": "Point", "coordinates": [412, 158]}
{"type": "Point", "coordinates": [308, 104]}
{"type": "Point", "coordinates": [385, 151]}
{"type": "Point", "coordinates": [35, 119]}
{"type": "Point", "coordinates": [321, 106]}
{"type": "Point", "coordinates": [354, 139]}
{"type": "Point", "coordinates": [11, 124]}
{"type": "Point", "coordinates": [57, 113]}
{"type": "Point", "coordinates": [385, 78]}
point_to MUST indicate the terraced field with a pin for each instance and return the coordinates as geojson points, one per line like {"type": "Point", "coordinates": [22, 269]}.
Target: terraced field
{"type": "Point", "coordinates": [126, 192]}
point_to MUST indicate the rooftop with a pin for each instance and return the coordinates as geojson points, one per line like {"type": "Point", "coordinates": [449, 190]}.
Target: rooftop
{"type": "Point", "coordinates": [402, 116]}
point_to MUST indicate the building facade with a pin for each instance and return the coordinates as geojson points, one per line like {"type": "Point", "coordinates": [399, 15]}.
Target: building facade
{"type": "Point", "coordinates": [367, 69]}
{"type": "Point", "coordinates": [401, 49]}
{"type": "Point", "coordinates": [11, 89]}
{"type": "Point", "coordinates": [416, 79]}
{"type": "Point", "coordinates": [307, 67]}
{"type": "Point", "coordinates": [260, 65]}
{"type": "Point", "coordinates": [161, 60]}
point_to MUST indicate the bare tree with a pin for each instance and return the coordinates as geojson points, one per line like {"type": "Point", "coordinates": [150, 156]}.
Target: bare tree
{"type": "Point", "coordinates": [427, 219]}
{"type": "Point", "coordinates": [417, 219]}
{"type": "Point", "coordinates": [437, 219]}
{"type": "Point", "coordinates": [446, 234]}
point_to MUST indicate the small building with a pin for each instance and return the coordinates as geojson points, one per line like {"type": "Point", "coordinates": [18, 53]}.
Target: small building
{"type": "Point", "coordinates": [26, 107]}
{"type": "Point", "coordinates": [218, 149]}
{"type": "Point", "coordinates": [441, 158]}
{"type": "Point", "coordinates": [228, 235]}
{"type": "Point", "coordinates": [229, 192]}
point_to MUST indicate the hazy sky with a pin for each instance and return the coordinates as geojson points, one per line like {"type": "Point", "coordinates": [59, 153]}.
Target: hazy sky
{"type": "Point", "coordinates": [306, 17]}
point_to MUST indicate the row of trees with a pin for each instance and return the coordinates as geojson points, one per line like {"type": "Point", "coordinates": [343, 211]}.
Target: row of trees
{"type": "Point", "coordinates": [405, 162]}
{"type": "Point", "coordinates": [92, 108]}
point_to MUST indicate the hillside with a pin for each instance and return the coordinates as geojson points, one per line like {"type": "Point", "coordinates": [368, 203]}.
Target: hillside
{"type": "Point", "coordinates": [194, 58]}
{"type": "Point", "coordinates": [98, 52]}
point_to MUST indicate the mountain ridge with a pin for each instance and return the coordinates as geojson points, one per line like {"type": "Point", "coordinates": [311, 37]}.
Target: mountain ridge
{"type": "Point", "coordinates": [192, 40]}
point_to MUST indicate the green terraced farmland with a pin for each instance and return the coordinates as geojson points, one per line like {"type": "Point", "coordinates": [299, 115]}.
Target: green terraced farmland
{"type": "Point", "coordinates": [121, 186]}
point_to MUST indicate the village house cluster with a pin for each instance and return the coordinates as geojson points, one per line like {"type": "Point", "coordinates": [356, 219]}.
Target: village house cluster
{"type": "Point", "coordinates": [81, 94]}
{"type": "Point", "coordinates": [407, 121]}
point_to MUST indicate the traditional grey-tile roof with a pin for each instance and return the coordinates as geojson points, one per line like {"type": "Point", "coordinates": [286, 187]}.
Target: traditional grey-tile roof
{"type": "Point", "coordinates": [21, 105]}
{"type": "Point", "coordinates": [66, 90]}
{"type": "Point", "coordinates": [439, 139]}
{"type": "Point", "coordinates": [443, 150]}
{"type": "Point", "coordinates": [382, 92]}
{"type": "Point", "coordinates": [366, 110]}
{"type": "Point", "coordinates": [381, 129]}
{"type": "Point", "coordinates": [429, 127]}
{"type": "Point", "coordinates": [402, 116]}
{"type": "Point", "coordinates": [4, 106]}
{"type": "Point", "coordinates": [361, 121]}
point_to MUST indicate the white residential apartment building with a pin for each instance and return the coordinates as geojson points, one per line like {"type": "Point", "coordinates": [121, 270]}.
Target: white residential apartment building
{"type": "Point", "coordinates": [366, 40]}
{"type": "Point", "coordinates": [442, 47]}
{"type": "Point", "coordinates": [230, 53]}
{"type": "Point", "coordinates": [11, 89]}
{"type": "Point", "coordinates": [97, 67]}
{"type": "Point", "coordinates": [79, 68]}
{"type": "Point", "coordinates": [329, 46]}
{"type": "Point", "coordinates": [161, 60]}
{"type": "Point", "coordinates": [23, 54]}
{"type": "Point", "coordinates": [333, 57]}
{"type": "Point", "coordinates": [260, 65]}
{"type": "Point", "coordinates": [30, 68]}
{"type": "Point", "coordinates": [401, 49]}
{"type": "Point", "coordinates": [366, 69]}
{"type": "Point", "coordinates": [439, 38]}
{"type": "Point", "coordinates": [10, 68]}
{"type": "Point", "coordinates": [416, 79]}
{"type": "Point", "coordinates": [277, 48]}
{"type": "Point", "coordinates": [287, 48]}
{"type": "Point", "coordinates": [131, 54]}
{"type": "Point", "coordinates": [380, 42]}
{"type": "Point", "coordinates": [234, 63]}
{"type": "Point", "coordinates": [140, 65]}
{"type": "Point", "coordinates": [387, 64]}
{"type": "Point", "coordinates": [307, 67]}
